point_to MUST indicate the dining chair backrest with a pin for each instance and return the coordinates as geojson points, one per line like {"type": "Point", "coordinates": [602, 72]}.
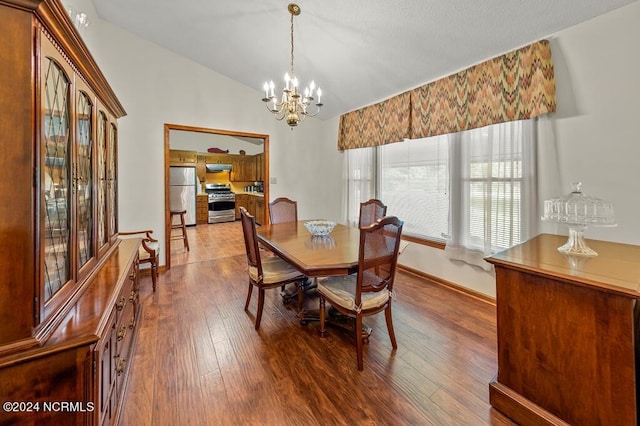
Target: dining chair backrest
{"type": "Point", "coordinates": [370, 211]}
{"type": "Point", "coordinates": [251, 240]}
{"type": "Point", "coordinates": [378, 256]}
{"type": "Point", "coordinates": [283, 210]}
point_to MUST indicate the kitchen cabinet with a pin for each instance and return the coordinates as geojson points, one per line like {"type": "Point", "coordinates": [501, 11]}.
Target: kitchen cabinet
{"type": "Point", "coordinates": [567, 333]}
{"type": "Point", "coordinates": [254, 205]}
{"type": "Point", "coordinates": [65, 269]}
{"type": "Point", "coordinates": [242, 200]}
{"type": "Point", "coordinates": [220, 158]}
{"type": "Point", "coordinates": [179, 157]}
{"type": "Point", "coordinates": [201, 167]}
{"type": "Point", "coordinates": [244, 169]}
{"type": "Point", "coordinates": [202, 209]}
{"type": "Point", "coordinates": [259, 160]}
{"type": "Point", "coordinates": [259, 209]}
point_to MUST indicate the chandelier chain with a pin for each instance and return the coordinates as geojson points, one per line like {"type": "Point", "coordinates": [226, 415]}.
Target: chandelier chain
{"type": "Point", "coordinates": [292, 72]}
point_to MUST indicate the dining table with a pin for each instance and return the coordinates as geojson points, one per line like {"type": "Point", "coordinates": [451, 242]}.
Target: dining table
{"type": "Point", "coordinates": [316, 256]}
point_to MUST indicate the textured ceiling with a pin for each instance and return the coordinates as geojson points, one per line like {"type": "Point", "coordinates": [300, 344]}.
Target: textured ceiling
{"type": "Point", "coordinates": [358, 51]}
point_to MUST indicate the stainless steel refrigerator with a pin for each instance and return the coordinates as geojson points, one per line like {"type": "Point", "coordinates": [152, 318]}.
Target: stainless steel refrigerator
{"type": "Point", "coordinates": [182, 192]}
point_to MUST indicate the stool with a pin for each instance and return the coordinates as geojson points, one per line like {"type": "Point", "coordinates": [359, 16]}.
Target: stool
{"type": "Point", "coordinates": [181, 226]}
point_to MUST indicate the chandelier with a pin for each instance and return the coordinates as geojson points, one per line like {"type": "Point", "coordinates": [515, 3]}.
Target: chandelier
{"type": "Point", "coordinates": [79, 19]}
{"type": "Point", "coordinates": [293, 105]}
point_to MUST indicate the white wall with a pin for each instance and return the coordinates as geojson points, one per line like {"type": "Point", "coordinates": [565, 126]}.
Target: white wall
{"type": "Point", "coordinates": [596, 66]}
{"type": "Point", "coordinates": [157, 86]}
{"type": "Point", "coordinates": [598, 84]}
{"type": "Point", "coordinates": [597, 73]}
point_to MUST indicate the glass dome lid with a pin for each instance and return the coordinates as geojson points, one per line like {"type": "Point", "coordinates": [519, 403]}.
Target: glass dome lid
{"type": "Point", "coordinates": [578, 211]}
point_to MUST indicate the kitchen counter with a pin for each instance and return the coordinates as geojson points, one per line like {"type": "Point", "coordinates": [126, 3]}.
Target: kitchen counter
{"type": "Point", "coordinates": [257, 194]}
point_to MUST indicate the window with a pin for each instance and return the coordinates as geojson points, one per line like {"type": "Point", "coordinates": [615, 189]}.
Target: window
{"type": "Point", "coordinates": [474, 189]}
{"type": "Point", "coordinates": [493, 177]}
{"type": "Point", "coordinates": [414, 184]}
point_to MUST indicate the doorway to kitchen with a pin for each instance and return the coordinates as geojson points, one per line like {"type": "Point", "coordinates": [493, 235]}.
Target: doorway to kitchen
{"type": "Point", "coordinates": [202, 148]}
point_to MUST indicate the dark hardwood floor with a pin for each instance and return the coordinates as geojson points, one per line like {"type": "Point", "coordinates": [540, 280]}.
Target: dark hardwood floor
{"type": "Point", "coordinates": [199, 360]}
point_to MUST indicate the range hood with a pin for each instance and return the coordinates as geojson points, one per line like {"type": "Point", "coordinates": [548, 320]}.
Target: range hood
{"type": "Point", "coordinates": [213, 168]}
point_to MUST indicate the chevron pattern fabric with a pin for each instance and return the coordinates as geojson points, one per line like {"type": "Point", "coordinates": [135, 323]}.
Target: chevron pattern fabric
{"type": "Point", "coordinates": [515, 86]}
{"type": "Point", "coordinates": [379, 124]}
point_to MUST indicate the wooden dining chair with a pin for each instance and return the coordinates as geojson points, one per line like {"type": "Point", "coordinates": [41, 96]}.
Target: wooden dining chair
{"type": "Point", "coordinates": [283, 210]}
{"type": "Point", "coordinates": [370, 290]}
{"type": "Point", "coordinates": [149, 251]}
{"type": "Point", "coordinates": [370, 211]}
{"type": "Point", "coordinates": [270, 272]}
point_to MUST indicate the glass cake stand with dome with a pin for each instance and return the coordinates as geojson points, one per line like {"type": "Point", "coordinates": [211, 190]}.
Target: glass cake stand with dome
{"type": "Point", "coordinates": [578, 211]}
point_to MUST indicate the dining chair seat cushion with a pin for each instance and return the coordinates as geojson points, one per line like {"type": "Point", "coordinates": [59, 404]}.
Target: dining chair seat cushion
{"type": "Point", "coordinates": [143, 254]}
{"type": "Point", "coordinates": [274, 270]}
{"type": "Point", "coordinates": [342, 290]}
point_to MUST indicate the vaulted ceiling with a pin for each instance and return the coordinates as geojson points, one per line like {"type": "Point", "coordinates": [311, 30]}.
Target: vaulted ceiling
{"type": "Point", "coordinates": [358, 51]}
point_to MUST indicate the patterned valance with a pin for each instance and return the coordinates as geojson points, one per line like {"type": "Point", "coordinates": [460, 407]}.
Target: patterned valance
{"type": "Point", "coordinates": [379, 124]}
{"type": "Point", "coordinates": [515, 86]}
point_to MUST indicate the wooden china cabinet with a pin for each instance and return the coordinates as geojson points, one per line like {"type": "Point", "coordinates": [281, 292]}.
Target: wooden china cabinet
{"type": "Point", "coordinates": [69, 288]}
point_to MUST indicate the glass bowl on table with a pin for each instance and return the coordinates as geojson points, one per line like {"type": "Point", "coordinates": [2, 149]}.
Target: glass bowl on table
{"type": "Point", "coordinates": [320, 227]}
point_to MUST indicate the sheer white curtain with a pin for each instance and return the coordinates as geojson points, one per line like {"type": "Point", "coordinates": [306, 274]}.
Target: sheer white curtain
{"type": "Point", "coordinates": [493, 187]}
{"type": "Point", "coordinates": [360, 176]}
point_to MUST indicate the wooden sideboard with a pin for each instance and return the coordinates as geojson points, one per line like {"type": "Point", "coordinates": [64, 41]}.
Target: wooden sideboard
{"type": "Point", "coordinates": [568, 335]}
{"type": "Point", "coordinates": [85, 362]}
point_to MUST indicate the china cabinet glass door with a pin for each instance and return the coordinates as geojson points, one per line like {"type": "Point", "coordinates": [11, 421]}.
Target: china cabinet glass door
{"type": "Point", "coordinates": [113, 208]}
{"type": "Point", "coordinates": [102, 180]}
{"type": "Point", "coordinates": [84, 179]}
{"type": "Point", "coordinates": [57, 173]}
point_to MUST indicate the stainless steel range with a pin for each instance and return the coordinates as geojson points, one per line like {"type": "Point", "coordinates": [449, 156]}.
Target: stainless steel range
{"type": "Point", "coordinates": [222, 202]}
